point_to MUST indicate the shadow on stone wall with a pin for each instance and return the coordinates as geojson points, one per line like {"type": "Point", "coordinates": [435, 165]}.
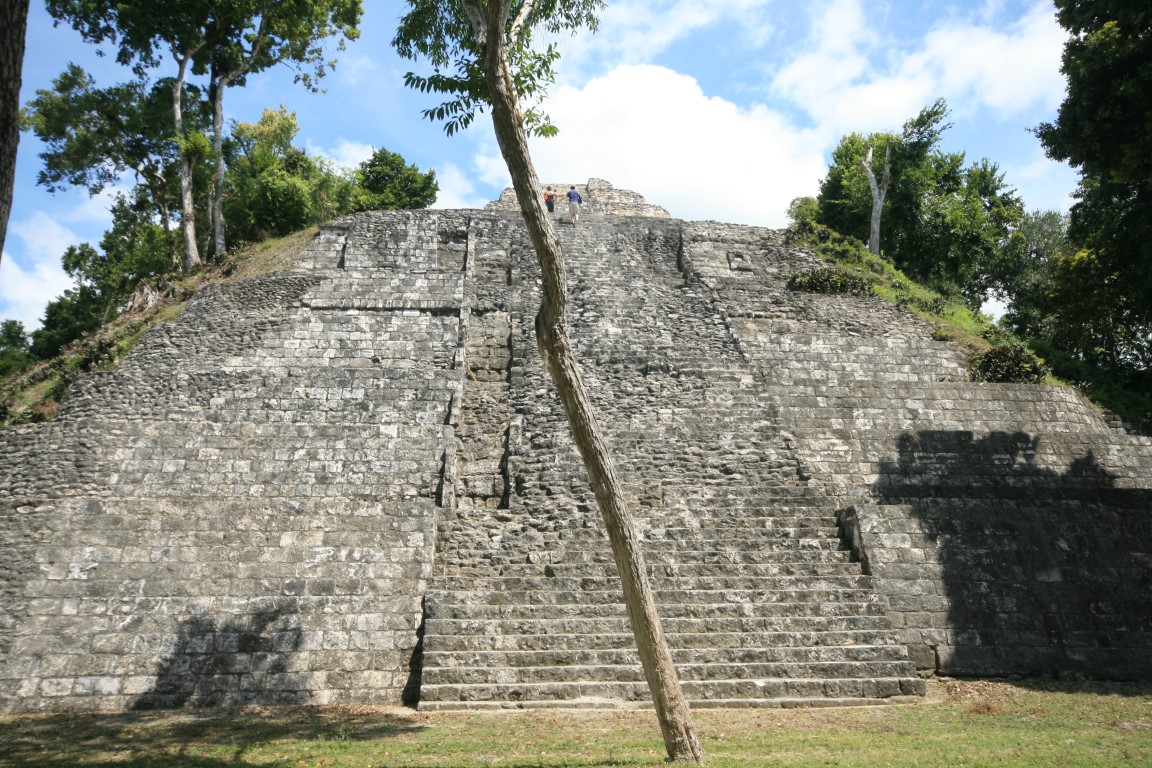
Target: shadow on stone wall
{"type": "Point", "coordinates": [410, 696]}
{"type": "Point", "coordinates": [231, 661]}
{"type": "Point", "coordinates": [1043, 571]}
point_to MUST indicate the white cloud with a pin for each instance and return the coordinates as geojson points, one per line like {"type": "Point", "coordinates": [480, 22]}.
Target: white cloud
{"type": "Point", "coordinates": [852, 78]}
{"type": "Point", "coordinates": [637, 31]}
{"type": "Point", "coordinates": [345, 154]}
{"type": "Point", "coordinates": [355, 70]}
{"type": "Point", "coordinates": [832, 64]}
{"type": "Point", "coordinates": [489, 165]}
{"type": "Point", "coordinates": [1043, 184]}
{"type": "Point", "coordinates": [27, 285]}
{"type": "Point", "coordinates": [654, 131]}
{"type": "Point", "coordinates": [456, 191]}
{"type": "Point", "coordinates": [1007, 70]}
{"type": "Point", "coordinates": [96, 208]}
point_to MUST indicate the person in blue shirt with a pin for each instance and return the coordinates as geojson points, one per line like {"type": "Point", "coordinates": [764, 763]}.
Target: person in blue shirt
{"type": "Point", "coordinates": [574, 201]}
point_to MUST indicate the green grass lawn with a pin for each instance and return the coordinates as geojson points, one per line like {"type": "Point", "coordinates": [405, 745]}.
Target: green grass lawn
{"type": "Point", "coordinates": [962, 724]}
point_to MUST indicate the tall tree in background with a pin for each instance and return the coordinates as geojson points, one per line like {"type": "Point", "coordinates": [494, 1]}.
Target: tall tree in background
{"type": "Point", "coordinates": [1022, 276]}
{"type": "Point", "coordinates": [92, 136]}
{"type": "Point", "coordinates": [14, 342]}
{"type": "Point", "coordinates": [488, 46]}
{"type": "Point", "coordinates": [249, 36]}
{"type": "Point", "coordinates": [226, 39]}
{"type": "Point", "coordinates": [1102, 128]}
{"type": "Point", "coordinates": [135, 249]}
{"type": "Point", "coordinates": [945, 222]}
{"type": "Point", "coordinates": [144, 33]}
{"type": "Point", "coordinates": [276, 188]}
{"type": "Point", "coordinates": [13, 30]}
{"type": "Point", "coordinates": [389, 183]}
{"type": "Point", "coordinates": [271, 181]}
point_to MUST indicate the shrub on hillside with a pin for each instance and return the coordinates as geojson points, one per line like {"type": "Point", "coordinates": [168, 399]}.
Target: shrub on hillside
{"type": "Point", "coordinates": [830, 280]}
{"type": "Point", "coordinates": [1007, 364]}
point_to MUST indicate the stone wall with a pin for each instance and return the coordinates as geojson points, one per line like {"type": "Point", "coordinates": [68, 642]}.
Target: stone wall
{"type": "Point", "coordinates": [244, 512]}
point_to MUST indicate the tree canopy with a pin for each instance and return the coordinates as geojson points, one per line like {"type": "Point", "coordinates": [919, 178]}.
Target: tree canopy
{"type": "Point", "coordinates": [1102, 129]}
{"type": "Point", "coordinates": [452, 37]}
{"type": "Point", "coordinates": [249, 36]}
{"type": "Point", "coordinates": [389, 183]}
{"type": "Point", "coordinates": [227, 40]}
{"type": "Point", "coordinates": [944, 221]}
{"type": "Point", "coordinates": [94, 135]}
{"type": "Point", "coordinates": [1102, 125]}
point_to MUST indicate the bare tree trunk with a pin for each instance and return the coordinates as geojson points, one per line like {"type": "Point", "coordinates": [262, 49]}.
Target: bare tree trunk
{"type": "Point", "coordinates": [552, 338]}
{"type": "Point", "coordinates": [879, 191]}
{"type": "Point", "coordinates": [147, 295]}
{"type": "Point", "coordinates": [13, 30]}
{"type": "Point", "coordinates": [187, 205]}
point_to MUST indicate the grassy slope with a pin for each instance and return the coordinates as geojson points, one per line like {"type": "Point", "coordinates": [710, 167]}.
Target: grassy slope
{"type": "Point", "coordinates": [952, 320]}
{"type": "Point", "coordinates": [969, 723]}
{"type": "Point", "coordinates": [34, 394]}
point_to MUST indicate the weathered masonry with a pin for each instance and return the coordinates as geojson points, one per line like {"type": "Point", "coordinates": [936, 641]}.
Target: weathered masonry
{"type": "Point", "coordinates": [351, 482]}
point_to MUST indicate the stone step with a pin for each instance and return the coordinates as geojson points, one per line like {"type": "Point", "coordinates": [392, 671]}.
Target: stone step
{"type": "Point", "coordinates": [768, 692]}
{"type": "Point", "coordinates": [728, 555]}
{"type": "Point", "coordinates": [805, 342]}
{"type": "Point", "coordinates": [607, 569]}
{"type": "Point", "coordinates": [692, 550]}
{"type": "Point", "coordinates": [651, 533]}
{"type": "Point", "coordinates": [667, 597]}
{"type": "Point", "coordinates": [757, 519]}
{"type": "Point", "coordinates": [729, 492]}
{"type": "Point", "coordinates": [735, 512]}
{"type": "Point", "coordinates": [664, 585]}
{"type": "Point", "coordinates": [918, 419]}
{"type": "Point", "coordinates": [960, 464]}
{"type": "Point", "coordinates": [600, 703]}
{"type": "Point", "coordinates": [696, 604]}
{"type": "Point", "coordinates": [788, 636]}
{"type": "Point", "coordinates": [704, 659]}
{"type": "Point", "coordinates": [695, 672]}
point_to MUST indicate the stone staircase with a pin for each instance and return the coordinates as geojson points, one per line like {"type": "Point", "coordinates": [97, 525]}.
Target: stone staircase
{"type": "Point", "coordinates": [760, 600]}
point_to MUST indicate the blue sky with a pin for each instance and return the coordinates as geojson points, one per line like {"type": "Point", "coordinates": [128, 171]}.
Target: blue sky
{"type": "Point", "coordinates": [723, 110]}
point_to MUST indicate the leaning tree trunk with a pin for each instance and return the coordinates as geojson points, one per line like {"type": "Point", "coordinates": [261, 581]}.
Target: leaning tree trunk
{"type": "Point", "coordinates": [556, 349]}
{"type": "Point", "coordinates": [13, 30]}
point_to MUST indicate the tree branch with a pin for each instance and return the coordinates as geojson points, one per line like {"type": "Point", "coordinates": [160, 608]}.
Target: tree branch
{"type": "Point", "coordinates": [518, 25]}
{"type": "Point", "coordinates": [474, 10]}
